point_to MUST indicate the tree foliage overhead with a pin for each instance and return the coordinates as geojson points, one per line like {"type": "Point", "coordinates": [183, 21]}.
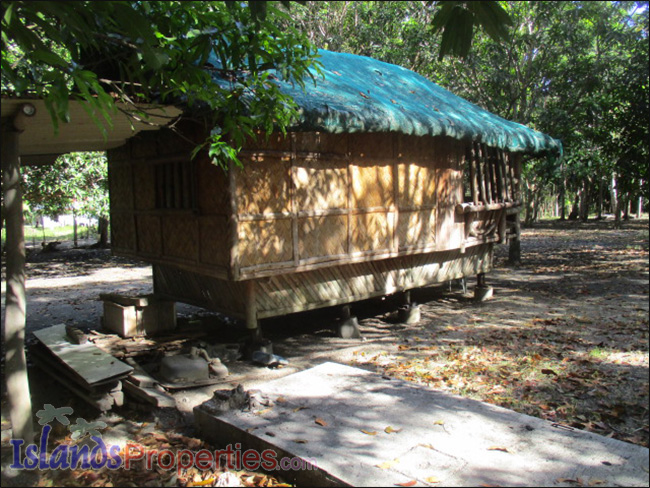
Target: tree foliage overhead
{"type": "Point", "coordinates": [572, 69]}
{"type": "Point", "coordinates": [102, 52]}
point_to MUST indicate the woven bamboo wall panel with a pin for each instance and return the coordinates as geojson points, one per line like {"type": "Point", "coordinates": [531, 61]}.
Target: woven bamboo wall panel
{"type": "Point", "coordinates": [323, 236]}
{"type": "Point", "coordinates": [144, 145]}
{"type": "Point", "coordinates": [267, 241]}
{"type": "Point", "coordinates": [376, 148]}
{"type": "Point", "coordinates": [181, 237]}
{"type": "Point", "coordinates": [121, 187]}
{"type": "Point", "coordinates": [119, 154]}
{"type": "Point", "coordinates": [263, 186]}
{"type": "Point", "coordinates": [372, 231]}
{"type": "Point", "coordinates": [122, 231]}
{"type": "Point", "coordinates": [275, 142]}
{"type": "Point", "coordinates": [417, 184]}
{"type": "Point", "coordinates": [417, 230]}
{"type": "Point", "coordinates": [286, 293]}
{"type": "Point", "coordinates": [149, 228]}
{"type": "Point", "coordinates": [416, 149]}
{"type": "Point", "coordinates": [145, 193]}
{"type": "Point", "coordinates": [212, 188]}
{"type": "Point", "coordinates": [215, 240]}
{"type": "Point", "coordinates": [320, 185]}
{"type": "Point", "coordinates": [322, 142]}
{"type": "Point", "coordinates": [372, 185]}
{"type": "Point", "coordinates": [449, 188]}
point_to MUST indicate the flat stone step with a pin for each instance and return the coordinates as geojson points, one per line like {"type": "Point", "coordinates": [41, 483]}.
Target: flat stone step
{"type": "Point", "coordinates": [363, 429]}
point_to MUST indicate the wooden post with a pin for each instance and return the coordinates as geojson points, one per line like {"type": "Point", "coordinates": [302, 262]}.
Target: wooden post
{"type": "Point", "coordinates": [20, 405]}
{"type": "Point", "coordinates": [480, 170]}
{"type": "Point", "coordinates": [251, 310]}
{"type": "Point", "coordinates": [471, 156]}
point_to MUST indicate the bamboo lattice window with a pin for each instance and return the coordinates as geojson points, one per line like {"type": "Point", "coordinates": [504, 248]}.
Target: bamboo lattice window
{"type": "Point", "coordinates": [175, 185]}
{"type": "Point", "coordinates": [490, 177]}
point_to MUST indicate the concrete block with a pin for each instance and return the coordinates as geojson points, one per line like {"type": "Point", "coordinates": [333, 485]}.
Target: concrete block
{"type": "Point", "coordinates": [181, 369]}
{"type": "Point", "coordinates": [151, 317]}
{"type": "Point", "coordinates": [483, 293]}
{"type": "Point", "coordinates": [349, 329]}
{"type": "Point", "coordinates": [337, 418]}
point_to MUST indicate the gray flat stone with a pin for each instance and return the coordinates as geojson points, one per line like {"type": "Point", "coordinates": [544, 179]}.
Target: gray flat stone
{"type": "Point", "coordinates": [458, 441]}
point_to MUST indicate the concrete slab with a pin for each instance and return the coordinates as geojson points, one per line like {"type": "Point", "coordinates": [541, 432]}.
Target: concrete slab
{"type": "Point", "coordinates": [438, 439]}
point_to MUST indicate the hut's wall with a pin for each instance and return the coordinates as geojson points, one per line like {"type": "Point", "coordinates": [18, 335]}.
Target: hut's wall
{"type": "Point", "coordinates": [166, 208]}
{"type": "Point", "coordinates": [303, 202]}
{"type": "Point", "coordinates": [312, 200]}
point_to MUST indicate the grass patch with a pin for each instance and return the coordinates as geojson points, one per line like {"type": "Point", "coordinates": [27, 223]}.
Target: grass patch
{"type": "Point", "coordinates": [35, 235]}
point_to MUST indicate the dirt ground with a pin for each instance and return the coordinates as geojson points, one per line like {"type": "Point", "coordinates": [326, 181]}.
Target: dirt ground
{"type": "Point", "coordinates": [565, 337]}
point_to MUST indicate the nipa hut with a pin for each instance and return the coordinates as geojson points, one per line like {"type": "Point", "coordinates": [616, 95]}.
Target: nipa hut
{"type": "Point", "coordinates": [388, 182]}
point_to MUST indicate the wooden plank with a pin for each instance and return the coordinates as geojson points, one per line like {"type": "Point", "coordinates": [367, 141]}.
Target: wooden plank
{"type": "Point", "coordinates": [266, 153]}
{"type": "Point", "coordinates": [473, 175]}
{"type": "Point", "coordinates": [87, 361]}
{"type": "Point", "coordinates": [102, 398]}
{"type": "Point", "coordinates": [480, 166]}
{"type": "Point", "coordinates": [126, 301]}
{"type": "Point", "coordinates": [464, 208]}
{"type": "Point", "coordinates": [504, 175]}
{"type": "Point", "coordinates": [294, 209]}
{"type": "Point", "coordinates": [149, 395]}
{"type": "Point", "coordinates": [498, 175]}
{"type": "Point", "coordinates": [233, 224]}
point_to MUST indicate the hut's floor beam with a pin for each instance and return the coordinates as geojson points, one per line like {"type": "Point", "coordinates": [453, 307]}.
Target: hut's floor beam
{"type": "Point", "coordinates": [336, 285]}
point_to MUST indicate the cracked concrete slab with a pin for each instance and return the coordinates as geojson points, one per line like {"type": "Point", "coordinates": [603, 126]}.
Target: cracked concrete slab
{"type": "Point", "coordinates": [363, 429]}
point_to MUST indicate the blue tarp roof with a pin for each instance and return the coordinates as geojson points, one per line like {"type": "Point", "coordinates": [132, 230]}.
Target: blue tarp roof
{"type": "Point", "coordinates": [361, 94]}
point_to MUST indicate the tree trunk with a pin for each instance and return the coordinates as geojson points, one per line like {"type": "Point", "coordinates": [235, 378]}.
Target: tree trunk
{"type": "Point", "coordinates": [530, 207]}
{"type": "Point", "coordinates": [20, 404]}
{"type": "Point", "coordinates": [614, 193]}
{"type": "Point", "coordinates": [639, 208]}
{"type": "Point", "coordinates": [575, 212]}
{"type": "Point", "coordinates": [103, 232]}
{"type": "Point", "coordinates": [584, 201]}
{"type": "Point", "coordinates": [514, 248]}
{"type": "Point", "coordinates": [74, 227]}
{"type": "Point", "coordinates": [601, 189]}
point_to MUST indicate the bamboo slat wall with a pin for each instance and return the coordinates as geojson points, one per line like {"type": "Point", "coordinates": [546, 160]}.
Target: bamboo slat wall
{"type": "Point", "coordinates": [306, 201]}
{"type": "Point", "coordinates": [314, 200]}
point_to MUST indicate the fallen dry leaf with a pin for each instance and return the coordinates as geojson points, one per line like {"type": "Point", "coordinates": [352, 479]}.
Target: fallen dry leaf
{"type": "Point", "coordinates": [300, 441]}
{"type": "Point", "coordinates": [498, 448]}
{"type": "Point", "coordinates": [390, 430]}
{"type": "Point", "coordinates": [321, 422]}
{"type": "Point", "coordinates": [569, 480]}
{"type": "Point", "coordinates": [388, 464]}
{"type": "Point", "coordinates": [432, 479]}
{"type": "Point", "coordinates": [427, 446]}
{"type": "Point", "coordinates": [369, 432]}
{"type": "Point", "coordinates": [298, 409]}
{"type": "Point", "coordinates": [548, 371]}
{"type": "Point", "coordinates": [595, 482]}
{"type": "Point", "coordinates": [439, 422]}
{"type": "Point", "coordinates": [206, 482]}
{"type": "Point", "coordinates": [407, 483]}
